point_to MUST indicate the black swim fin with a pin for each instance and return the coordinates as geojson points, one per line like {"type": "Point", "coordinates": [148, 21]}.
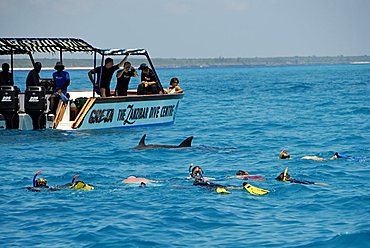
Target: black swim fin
{"type": "Point", "coordinates": [187, 142]}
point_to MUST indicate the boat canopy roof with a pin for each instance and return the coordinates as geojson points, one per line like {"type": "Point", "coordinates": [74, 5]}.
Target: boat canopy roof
{"type": "Point", "coordinates": [52, 45]}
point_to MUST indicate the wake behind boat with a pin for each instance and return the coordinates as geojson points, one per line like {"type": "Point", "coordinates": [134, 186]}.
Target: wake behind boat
{"type": "Point", "coordinates": [84, 109]}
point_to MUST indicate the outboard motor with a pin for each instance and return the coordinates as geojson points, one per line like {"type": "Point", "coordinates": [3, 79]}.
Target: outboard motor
{"type": "Point", "coordinates": [9, 105]}
{"type": "Point", "coordinates": [35, 105]}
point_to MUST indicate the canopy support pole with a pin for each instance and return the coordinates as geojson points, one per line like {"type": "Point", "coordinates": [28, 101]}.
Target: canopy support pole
{"type": "Point", "coordinates": [31, 58]}
{"type": "Point", "coordinates": [94, 76]}
{"type": "Point", "coordinates": [61, 55]}
{"type": "Point", "coordinates": [101, 69]}
{"type": "Point", "coordinates": [12, 62]}
{"type": "Point", "coordinates": [155, 73]}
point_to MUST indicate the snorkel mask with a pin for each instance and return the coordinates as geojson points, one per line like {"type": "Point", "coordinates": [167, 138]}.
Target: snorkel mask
{"type": "Point", "coordinates": [195, 171]}
{"type": "Point", "coordinates": [40, 182]}
{"type": "Point", "coordinates": [284, 154]}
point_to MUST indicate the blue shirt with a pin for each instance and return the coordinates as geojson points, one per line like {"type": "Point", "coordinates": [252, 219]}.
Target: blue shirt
{"type": "Point", "coordinates": [60, 78]}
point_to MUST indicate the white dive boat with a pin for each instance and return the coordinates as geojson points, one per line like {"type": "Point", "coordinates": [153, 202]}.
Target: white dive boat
{"type": "Point", "coordinates": [84, 109]}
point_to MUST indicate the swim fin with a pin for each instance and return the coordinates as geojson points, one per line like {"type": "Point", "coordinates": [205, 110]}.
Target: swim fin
{"type": "Point", "coordinates": [254, 190]}
{"type": "Point", "coordinates": [222, 191]}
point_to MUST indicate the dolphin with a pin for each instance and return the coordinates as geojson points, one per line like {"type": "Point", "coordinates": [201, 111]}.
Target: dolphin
{"type": "Point", "coordinates": [143, 146]}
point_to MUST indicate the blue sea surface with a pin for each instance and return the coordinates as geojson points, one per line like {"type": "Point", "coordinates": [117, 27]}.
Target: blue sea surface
{"type": "Point", "coordinates": [241, 118]}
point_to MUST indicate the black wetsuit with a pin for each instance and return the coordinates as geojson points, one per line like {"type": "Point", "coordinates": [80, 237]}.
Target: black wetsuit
{"type": "Point", "coordinates": [106, 77]}
{"type": "Point", "coordinates": [292, 180]}
{"type": "Point", "coordinates": [33, 78]}
{"type": "Point", "coordinates": [207, 184]}
{"type": "Point", "coordinates": [6, 78]}
{"type": "Point", "coordinates": [151, 89]}
{"type": "Point", "coordinates": [123, 81]}
{"type": "Point", "coordinates": [39, 189]}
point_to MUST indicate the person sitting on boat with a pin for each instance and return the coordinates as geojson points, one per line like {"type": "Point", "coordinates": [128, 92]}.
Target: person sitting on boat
{"type": "Point", "coordinates": [62, 81]}
{"type": "Point", "coordinates": [103, 81]}
{"type": "Point", "coordinates": [285, 177]}
{"type": "Point", "coordinates": [33, 77]}
{"type": "Point", "coordinates": [6, 78]}
{"type": "Point", "coordinates": [284, 155]}
{"type": "Point", "coordinates": [148, 83]}
{"type": "Point", "coordinates": [174, 87]}
{"type": "Point", "coordinates": [123, 78]}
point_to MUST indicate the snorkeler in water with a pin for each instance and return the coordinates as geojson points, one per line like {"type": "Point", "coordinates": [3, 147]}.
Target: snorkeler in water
{"type": "Point", "coordinates": [134, 179]}
{"type": "Point", "coordinates": [197, 171]}
{"type": "Point", "coordinates": [79, 185]}
{"type": "Point", "coordinates": [334, 157]}
{"type": "Point", "coordinates": [245, 176]}
{"type": "Point", "coordinates": [284, 154]}
{"type": "Point", "coordinates": [285, 177]}
{"type": "Point", "coordinates": [200, 181]}
{"type": "Point", "coordinates": [40, 184]}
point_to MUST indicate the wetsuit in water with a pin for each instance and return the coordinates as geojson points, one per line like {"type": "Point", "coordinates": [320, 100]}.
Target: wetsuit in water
{"type": "Point", "coordinates": [201, 182]}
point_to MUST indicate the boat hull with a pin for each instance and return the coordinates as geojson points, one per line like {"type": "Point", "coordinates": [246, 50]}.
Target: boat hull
{"type": "Point", "coordinates": [125, 112]}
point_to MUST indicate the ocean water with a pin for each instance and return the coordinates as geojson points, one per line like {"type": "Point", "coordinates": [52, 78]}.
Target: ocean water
{"type": "Point", "coordinates": [241, 118]}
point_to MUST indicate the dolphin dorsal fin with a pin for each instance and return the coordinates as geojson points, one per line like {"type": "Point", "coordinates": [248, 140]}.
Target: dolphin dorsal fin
{"type": "Point", "coordinates": [187, 142]}
{"type": "Point", "coordinates": [142, 141]}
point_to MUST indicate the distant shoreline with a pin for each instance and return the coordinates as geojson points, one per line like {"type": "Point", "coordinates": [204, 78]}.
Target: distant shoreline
{"type": "Point", "coordinates": [82, 64]}
{"type": "Point", "coordinates": [200, 66]}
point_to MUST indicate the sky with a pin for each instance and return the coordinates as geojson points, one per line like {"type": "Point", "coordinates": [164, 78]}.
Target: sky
{"type": "Point", "coordinates": [199, 28]}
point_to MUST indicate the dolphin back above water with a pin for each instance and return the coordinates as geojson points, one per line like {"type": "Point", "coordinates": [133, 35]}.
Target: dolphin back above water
{"type": "Point", "coordinates": [143, 146]}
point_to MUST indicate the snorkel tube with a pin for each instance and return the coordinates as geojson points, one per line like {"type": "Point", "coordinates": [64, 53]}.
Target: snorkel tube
{"type": "Point", "coordinates": [74, 178]}
{"type": "Point", "coordinates": [34, 178]}
{"type": "Point", "coordinates": [191, 166]}
{"type": "Point", "coordinates": [285, 174]}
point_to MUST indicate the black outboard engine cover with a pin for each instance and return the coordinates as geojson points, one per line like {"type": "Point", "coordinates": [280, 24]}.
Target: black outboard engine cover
{"type": "Point", "coordinates": [35, 105]}
{"type": "Point", "coordinates": [9, 102]}
{"type": "Point", "coordinates": [9, 105]}
{"type": "Point", "coordinates": [35, 100]}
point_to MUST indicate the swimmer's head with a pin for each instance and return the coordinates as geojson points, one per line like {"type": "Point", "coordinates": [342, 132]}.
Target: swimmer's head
{"type": "Point", "coordinates": [241, 173]}
{"type": "Point", "coordinates": [284, 155]}
{"type": "Point", "coordinates": [142, 185]}
{"type": "Point", "coordinates": [281, 177]}
{"type": "Point", "coordinates": [197, 171]}
{"type": "Point", "coordinates": [81, 185]}
{"type": "Point", "coordinates": [41, 182]}
{"type": "Point", "coordinates": [335, 156]}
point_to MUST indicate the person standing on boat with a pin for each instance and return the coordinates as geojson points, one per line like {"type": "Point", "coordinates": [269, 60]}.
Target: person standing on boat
{"type": "Point", "coordinates": [6, 78]}
{"type": "Point", "coordinates": [33, 78]}
{"type": "Point", "coordinates": [123, 79]}
{"type": "Point", "coordinates": [149, 83]}
{"type": "Point", "coordinates": [62, 81]}
{"type": "Point", "coordinates": [103, 80]}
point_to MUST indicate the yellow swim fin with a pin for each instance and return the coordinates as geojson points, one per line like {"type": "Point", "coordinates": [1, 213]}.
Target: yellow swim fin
{"type": "Point", "coordinates": [285, 173]}
{"type": "Point", "coordinates": [254, 190]}
{"type": "Point", "coordinates": [222, 191]}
